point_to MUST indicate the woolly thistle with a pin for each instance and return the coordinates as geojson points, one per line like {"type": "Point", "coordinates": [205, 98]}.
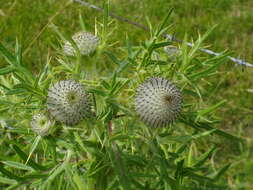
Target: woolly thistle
{"type": "Point", "coordinates": [41, 124]}
{"type": "Point", "coordinates": [68, 102]}
{"type": "Point", "coordinates": [85, 41]}
{"type": "Point", "coordinates": [158, 102]}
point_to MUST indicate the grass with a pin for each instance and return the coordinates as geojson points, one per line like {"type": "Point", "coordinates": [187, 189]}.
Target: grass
{"type": "Point", "coordinates": [28, 21]}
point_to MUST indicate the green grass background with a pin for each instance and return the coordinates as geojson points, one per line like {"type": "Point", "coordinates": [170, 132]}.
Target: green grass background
{"type": "Point", "coordinates": [29, 21]}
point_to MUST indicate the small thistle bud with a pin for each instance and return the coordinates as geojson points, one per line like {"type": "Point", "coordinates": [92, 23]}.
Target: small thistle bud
{"type": "Point", "coordinates": [41, 124]}
{"type": "Point", "coordinates": [158, 102]}
{"type": "Point", "coordinates": [68, 102]}
{"type": "Point", "coordinates": [85, 41]}
{"type": "Point", "coordinates": [172, 51]}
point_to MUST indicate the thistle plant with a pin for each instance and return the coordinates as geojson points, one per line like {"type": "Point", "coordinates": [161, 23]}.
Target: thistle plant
{"type": "Point", "coordinates": [68, 102]}
{"type": "Point", "coordinates": [158, 102]}
{"type": "Point", "coordinates": [126, 144]}
{"type": "Point", "coordinates": [41, 124]}
{"type": "Point", "coordinates": [85, 42]}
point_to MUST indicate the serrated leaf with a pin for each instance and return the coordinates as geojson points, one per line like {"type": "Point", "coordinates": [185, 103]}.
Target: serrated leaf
{"type": "Point", "coordinates": [17, 165]}
{"type": "Point", "coordinates": [205, 125]}
{"type": "Point", "coordinates": [7, 181]}
{"type": "Point", "coordinates": [164, 22]}
{"type": "Point", "coordinates": [33, 147]}
{"type": "Point", "coordinates": [203, 134]}
{"type": "Point", "coordinates": [116, 89]}
{"type": "Point", "coordinates": [15, 91]}
{"type": "Point", "coordinates": [221, 171]}
{"type": "Point", "coordinates": [24, 157]}
{"type": "Point", "coordinates": [105, 84]}
{"type": "Point", "coordinates": [204, 157]}
{"type": "Point", "coordinates": [7, 70]}
{"type": "Point", "coordinates": [8, 173]}
{"type": "Point", "coordinates": [7, 55]}
{"type": "Point", "coordinates": [113, 58]}
{"type": "Point", "coordinates": [60, 168]}
{"type": "Point", "coordinates": [211, 108]}
{"type": "Point", "coordinates": [162, 44]}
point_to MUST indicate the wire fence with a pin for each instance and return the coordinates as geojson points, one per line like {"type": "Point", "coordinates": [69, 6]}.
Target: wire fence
{"type": "Point", "coordinates": [167, 36]}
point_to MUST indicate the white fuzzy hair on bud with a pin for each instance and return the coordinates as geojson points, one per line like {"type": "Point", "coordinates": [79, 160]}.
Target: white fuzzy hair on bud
{"type": "Point", "coordinates": [68, 102]}
{"type": "Point", "coordinates": [158, 102]}
{"type": "Point", "coordinates": [85, 41]}
{"type": "Point", "coordinates": [172, 51]}
{"type": "Point", "coordinates": [41, 124]}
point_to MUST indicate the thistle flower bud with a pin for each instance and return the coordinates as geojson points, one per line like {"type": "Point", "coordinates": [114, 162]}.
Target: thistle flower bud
{"type": "Point", "coordinates": [172, 51]}
{"type": "Point", "coordinates": [85, 41]}
{"type": "Point", "coordinates": [158, 102]}
{"type": "Point", "coordinates": [41, 124]}
{"type": "Point", "coordinates": [68, 102]}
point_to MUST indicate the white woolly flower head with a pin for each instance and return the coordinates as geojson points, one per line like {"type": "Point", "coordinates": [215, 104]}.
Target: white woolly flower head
{"type": "Point", "coordinates": [85, 41]}
{"type": "Point", "coordinates": [158, 102]}
{"type": "Point", "coordinates": [41, 124]}
{"type": "Point", "coordinates": [68, 102]}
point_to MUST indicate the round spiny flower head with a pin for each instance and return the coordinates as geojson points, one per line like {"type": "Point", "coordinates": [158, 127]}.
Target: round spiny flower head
{"type": "Point", "coordinates": [68, 102]}
{"type": "Point", "coordinates": [85, 41]}
{"type": "Point", "coordinates": [158, 102]}
{"type": "Point", "coordinates": [41, 124]}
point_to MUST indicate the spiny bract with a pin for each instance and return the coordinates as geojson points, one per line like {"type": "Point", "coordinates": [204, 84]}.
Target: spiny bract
{"type": "Point", "coordinates": [158, 102]}
{"type": "Point", "coordinates": [41, 124]}
{"type": "Point", "coordinates": [85, 41]}
{"type": "Point", "coordinates": [68, 102]}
